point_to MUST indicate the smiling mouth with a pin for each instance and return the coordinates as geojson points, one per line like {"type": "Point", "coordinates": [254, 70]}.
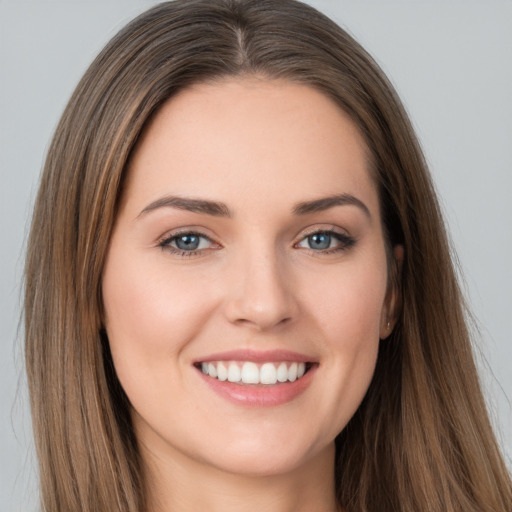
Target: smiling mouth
{"type": "Point", "coordinates": [249, 372]}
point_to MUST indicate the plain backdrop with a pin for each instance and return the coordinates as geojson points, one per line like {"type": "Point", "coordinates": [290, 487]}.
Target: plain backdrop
{"type": "Point", "coordinates": [451, 62]}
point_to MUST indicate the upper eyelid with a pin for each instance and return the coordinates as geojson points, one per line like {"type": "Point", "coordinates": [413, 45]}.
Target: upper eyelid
{"type": "Point", "coordinates": [206, 233]}
{"type": "Point", "coordinates": [342, 237]}
{"type": "Point", "coordinates": [169, 235]}
{"type": "Point", "coordinates": [164, 244]}
{"type": "Point", "coordinates": [305, 232]}
{"type": "Point", "coordinates": [328, 228]}
{"type": "Point", "coordinates": [183, 233]}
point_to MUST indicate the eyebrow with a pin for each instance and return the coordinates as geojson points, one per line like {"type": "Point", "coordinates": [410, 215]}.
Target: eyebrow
{"type": "Point", "coordinates": [320, 205]}
{"type": "Point", "coordinates": [214, 208]}
{"type": "Point", "coordinates": [218, 209]}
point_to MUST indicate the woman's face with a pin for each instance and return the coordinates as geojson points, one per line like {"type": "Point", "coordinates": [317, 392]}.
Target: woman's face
{"type": "Point", "coordinates": [248, 245]}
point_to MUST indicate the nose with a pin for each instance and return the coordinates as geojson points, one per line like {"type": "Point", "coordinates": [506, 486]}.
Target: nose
{"type": "Point", "coordinates": [261, 294]}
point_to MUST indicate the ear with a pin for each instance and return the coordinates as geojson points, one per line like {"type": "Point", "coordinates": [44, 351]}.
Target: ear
{"type": "Point", "coordinates": [393, 300]}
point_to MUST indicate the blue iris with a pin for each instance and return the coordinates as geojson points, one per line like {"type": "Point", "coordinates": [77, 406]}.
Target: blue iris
{"type": "Point", "coordinates": [187, 242]}
{"type": "Point", "coordinates": [319, 241]}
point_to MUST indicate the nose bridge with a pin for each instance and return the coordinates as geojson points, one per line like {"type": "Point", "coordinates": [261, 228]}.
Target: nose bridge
{"type": "Point", "coordinates": [261, 292]}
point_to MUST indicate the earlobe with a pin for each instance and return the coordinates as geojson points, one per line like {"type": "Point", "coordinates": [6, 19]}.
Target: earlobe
{"type": "Point", "coordinates": [393, 301]}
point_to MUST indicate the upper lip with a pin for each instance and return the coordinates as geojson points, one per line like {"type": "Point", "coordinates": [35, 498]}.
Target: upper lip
{"type": "Point", "coordinates": [257, 356]}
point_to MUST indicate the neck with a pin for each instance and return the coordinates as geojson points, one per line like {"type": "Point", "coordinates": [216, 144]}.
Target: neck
{"type": "Point", "coordinates": [179, 484]}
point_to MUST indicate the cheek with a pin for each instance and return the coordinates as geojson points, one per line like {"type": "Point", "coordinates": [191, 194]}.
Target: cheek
{"type": "Point", "coordinates": [151, 312]}
{"type": "Point", "coordinates": [347, 312]}
{"type": "Point", "coordinates": [348, 302]}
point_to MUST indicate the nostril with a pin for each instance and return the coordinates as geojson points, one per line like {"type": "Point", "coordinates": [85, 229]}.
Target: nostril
{"type": "Point", "coordinates": [262, 323]}
{"type": "Point", "coordinates": [260, 296]}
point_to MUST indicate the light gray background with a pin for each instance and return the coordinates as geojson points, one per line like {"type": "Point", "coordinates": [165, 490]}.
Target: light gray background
{"type": "Point", "coordinates": [451, 63]}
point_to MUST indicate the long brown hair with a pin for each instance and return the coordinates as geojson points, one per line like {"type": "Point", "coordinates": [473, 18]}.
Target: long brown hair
{"type": "Point", "coordinates": [421, 439]}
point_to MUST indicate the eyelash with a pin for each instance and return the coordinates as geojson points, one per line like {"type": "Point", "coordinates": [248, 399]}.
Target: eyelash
{"type": "Point", "coordinates": [165, 243]}
{"type": "Point", "coordinates": [346, 242]}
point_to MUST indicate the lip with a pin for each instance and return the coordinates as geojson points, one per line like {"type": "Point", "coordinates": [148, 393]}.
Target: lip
{"type": "Point", "coordinates": [251, 395]}
{"type": "Point", "coordinates": [257, 356]}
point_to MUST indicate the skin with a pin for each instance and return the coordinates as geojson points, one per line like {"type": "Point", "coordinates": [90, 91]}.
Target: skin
{"type": "Point", "coordinates": [260, 147]}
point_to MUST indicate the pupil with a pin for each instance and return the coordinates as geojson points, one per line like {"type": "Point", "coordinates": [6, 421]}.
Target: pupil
{"type": "Point", "coordinates": [187, 242]}
{"type": "Point", "coordinates": [320, 241]}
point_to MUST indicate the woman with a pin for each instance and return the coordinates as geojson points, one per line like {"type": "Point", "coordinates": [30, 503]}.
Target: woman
{"type": "Point", "coordinates": [239, 292]}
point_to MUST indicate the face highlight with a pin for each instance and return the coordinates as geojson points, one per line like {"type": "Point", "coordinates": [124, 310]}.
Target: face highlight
{"type": "Point", "coordinates": [245, 287]}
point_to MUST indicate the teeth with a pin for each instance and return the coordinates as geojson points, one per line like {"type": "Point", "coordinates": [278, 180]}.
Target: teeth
{"type": "Point", "coordinates": [268, 374]}
{"type": "Point", "coordinates": [282, 372]}
{"type": "Point", "coordinates": [234, 374]}
{"type": "Point", "coordinates": [222, 372]}
{"type": "Point", "coordinates": [212, 371]}
{"type": "Point", "coordinates": [252, 373]}
{"type": "Point", "coordinates": [292, 372]}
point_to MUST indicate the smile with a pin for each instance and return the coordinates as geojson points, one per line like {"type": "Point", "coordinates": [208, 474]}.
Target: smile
{"type": "Point", "coordinates": [249, 372]}
{"type": "Point", "coordinates": [254, 378]}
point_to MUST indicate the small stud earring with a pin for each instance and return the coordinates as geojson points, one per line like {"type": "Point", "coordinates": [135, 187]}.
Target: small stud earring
{"type": "Point", "coordinates": [388, 325]}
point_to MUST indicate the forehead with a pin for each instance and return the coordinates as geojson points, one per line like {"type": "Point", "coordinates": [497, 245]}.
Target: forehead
{"type": "Point", "coordinates": [244, 138]}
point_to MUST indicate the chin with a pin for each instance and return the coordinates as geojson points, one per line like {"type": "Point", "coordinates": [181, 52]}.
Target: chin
{"type": "Point", "coordinates": [266, 459]}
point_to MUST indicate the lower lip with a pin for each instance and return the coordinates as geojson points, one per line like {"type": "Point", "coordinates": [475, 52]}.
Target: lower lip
{"type": "Point", "coordinates": [260, 395]}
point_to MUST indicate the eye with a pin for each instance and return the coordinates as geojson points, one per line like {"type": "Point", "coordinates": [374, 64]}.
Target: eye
{"type": "Point", "coordinates": [326, 241]}
{"type": "Point", "coordinates": [186, 243]}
